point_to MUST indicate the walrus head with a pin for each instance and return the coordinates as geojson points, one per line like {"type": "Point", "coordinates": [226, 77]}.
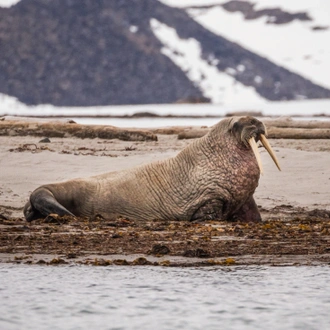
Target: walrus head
{"type": "Point", "coordinates": [248, 131]}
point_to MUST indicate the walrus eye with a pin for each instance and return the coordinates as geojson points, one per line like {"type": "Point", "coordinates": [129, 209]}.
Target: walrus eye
{"type": "Point", "coordinates": [267, 146]}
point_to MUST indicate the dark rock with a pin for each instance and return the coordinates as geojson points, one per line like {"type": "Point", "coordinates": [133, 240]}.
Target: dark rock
{"type": "Point", "coordinates": [197, 253]}
{"type": "Point", "coordinates": [3, 217]}
{"type": "Point", "coordinates": [45, 140]}
{"type": "Point", "coordinates": [71, 255]}
{"type": "Point", "coordinates": [274, 15]}
{"type": "Point", "coordinates": [159, 249]}
{"type": "Point", "coordinates": [320, 28]}
{"type": "Point", "coordinates": [141, 261]}
{"type": "Point", "coordinates": [57, 261]}
{"type": "Point", "coordinates": [41, 262]}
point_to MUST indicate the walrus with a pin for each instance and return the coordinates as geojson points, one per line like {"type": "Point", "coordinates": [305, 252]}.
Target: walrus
{"type": "Point", "coordinates": [214, 177]}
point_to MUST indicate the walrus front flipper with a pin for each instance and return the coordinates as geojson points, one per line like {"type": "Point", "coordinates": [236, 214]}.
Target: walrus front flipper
{"type": "Point", "coordinates": [248, 212]}
{"type": "Point", "coordinates": [42, 203]}
{"type": "Point", "coordinates": [210, 210]}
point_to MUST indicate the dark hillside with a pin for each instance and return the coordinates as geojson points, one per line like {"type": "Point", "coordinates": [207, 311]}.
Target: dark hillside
{"type": "Point", "coordinates": [82, 52]}
{"type": "Point", "coordinates": [99, 52]}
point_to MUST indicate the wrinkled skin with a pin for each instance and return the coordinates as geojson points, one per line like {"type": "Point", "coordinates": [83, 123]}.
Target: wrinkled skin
{"type": "Point", "coordinates": [212, 178]}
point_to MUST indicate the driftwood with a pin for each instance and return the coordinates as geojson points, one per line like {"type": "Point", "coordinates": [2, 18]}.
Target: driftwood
{"type": "Point", "coordinates": [193, 133]}
{"type": "Point", "coordinates": [287, 122]}
{"type": "Point", "coordinates": [58, 129]}
{"type": "Point", "coordinates": [283, 128]}
{"type": "Point", "coordinates": [172, 130]}
{"type": "Point", "coordinates": [298, 133]}
{"type": "Point", "coordinates": [273, 133]}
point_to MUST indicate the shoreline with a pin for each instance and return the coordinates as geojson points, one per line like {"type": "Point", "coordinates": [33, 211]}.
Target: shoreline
{"type": "Point", "coordinates": [294, 205]}
{"type": "Point", "coordinates": [173, 261]}
{"type": "Point", "coordinates": [292, 238]}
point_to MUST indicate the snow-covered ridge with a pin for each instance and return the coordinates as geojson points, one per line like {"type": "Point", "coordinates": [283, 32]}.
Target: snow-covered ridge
{"type": "Point", "coordinates": [8, 3]}
{"type": "Point", "coordinates": [235, 77]}
{"type": "Point", "coordinates": [220, 87]}
{"type": "Point", "coordinates": [295, 45]}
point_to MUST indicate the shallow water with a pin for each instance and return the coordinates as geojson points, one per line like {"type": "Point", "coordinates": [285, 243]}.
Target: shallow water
{"type": "Point", "coordinates": [83, 297]}
{"type": "Point", "coordinates": [150, 122]}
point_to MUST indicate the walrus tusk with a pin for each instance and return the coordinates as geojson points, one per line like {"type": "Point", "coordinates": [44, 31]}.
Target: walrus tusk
{"type": "Point", "coordinates": [267, 146]}
{"type": "Point", "coordinates": [254, 147]}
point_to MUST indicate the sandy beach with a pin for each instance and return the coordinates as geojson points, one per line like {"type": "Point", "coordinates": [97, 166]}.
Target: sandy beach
{"type": "Point", "coordinates": [294, 201]}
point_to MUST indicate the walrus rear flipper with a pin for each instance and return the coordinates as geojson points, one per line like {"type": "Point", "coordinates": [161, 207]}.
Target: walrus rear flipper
{"type": "Point", "coordinates": [42, 203]}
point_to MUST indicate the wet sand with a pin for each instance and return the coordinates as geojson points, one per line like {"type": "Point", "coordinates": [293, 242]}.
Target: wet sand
{"type": "Point", "coordinates": [294, 204]}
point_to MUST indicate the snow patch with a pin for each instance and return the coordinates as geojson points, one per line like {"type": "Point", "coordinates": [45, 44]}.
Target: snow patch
{"type": "Point", "coordinates": [134, 28]}
{"type": "Point", "coordinates": [241, 68]}
{"type": "Point", "coordinates": [8, 3]}
{"type": "Point", "coordinates": [187, 54]}
{"type": "Point", "coordinates": [294, 46]}
{"type": "Point", "coordinates": [302, 47]}
{"type": "Point", "coordinates": [231, 71]}
{"type": "Point", "coordinates": [258, 80]}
